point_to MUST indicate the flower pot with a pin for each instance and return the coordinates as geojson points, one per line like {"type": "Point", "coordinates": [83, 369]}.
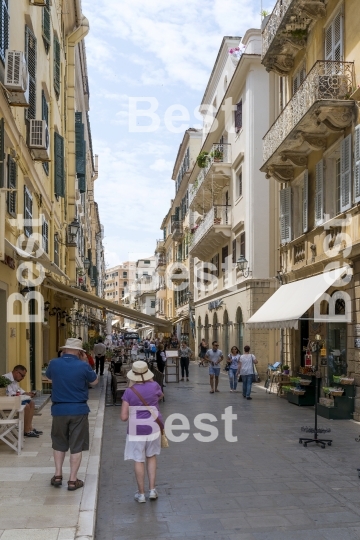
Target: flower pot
{"type": "Point", "coordinates": [2, 392]}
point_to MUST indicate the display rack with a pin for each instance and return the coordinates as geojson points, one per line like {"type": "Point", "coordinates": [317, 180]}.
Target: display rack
{"type": "Point", "coordinates": [343, 407]}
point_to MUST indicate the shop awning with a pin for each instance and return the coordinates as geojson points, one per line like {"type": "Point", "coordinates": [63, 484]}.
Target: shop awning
{"type": "Point", "coordinates": [101, 303]}
{"type": "Point", "coordinates": [287, 305]}
{"type": "Point", "coordinates": [43, 259]}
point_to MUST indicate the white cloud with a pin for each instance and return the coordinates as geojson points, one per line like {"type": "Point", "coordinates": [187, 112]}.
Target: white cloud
{"type": "Point", "coordinates": [161, 165]}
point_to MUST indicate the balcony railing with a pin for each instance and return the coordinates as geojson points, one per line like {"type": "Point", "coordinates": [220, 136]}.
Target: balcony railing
{"type": "Point", "coordinates": [327, 80]}
{"type": "Point", "coordinates": [273, 24]}
{"type": "Point", "coordinates": [299, 253]}
{"type": "Point", "coordinates": [220, 153]}
{"type": "Point", "coordinates": [218, 215]}
{"type": "Point", "coordinates": [177, 229]}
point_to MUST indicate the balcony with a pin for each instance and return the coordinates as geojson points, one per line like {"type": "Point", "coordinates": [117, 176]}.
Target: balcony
{"type": "Point", "coordinates": [160, 246]}
{"type": "Point", "coordinates": [161, 265]}
{"type": "Point", "coordinates": [286, 32]}
{"type": "Point", "coordinates": [211, 233]}
{"type": "Point", "coordinates": [212, 179]}
{"type": "Point", "coordinates": [177, 230]}
{"type": "Point", "coordinates": [299, 253]}
{"type": "Point", "coordinates": [320, 107]}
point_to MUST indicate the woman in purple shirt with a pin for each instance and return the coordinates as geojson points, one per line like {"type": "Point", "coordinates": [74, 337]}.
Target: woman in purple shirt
{"type": "Point", "coordinates": [143, 439]}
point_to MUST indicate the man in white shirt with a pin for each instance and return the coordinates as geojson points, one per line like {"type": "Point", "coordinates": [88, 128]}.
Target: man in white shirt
{"type": "Point", "coordinates": [214, 356]}
{"type": "Point", "coordinates": [99, 351]}
{"type": "Point", "coordinates": [14, 389]}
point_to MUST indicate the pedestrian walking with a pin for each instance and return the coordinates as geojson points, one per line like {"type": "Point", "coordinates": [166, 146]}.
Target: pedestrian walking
{"type": "Point", "coordinates": [185, 354]}
{"type": "Point", "coordinates": [247, 371]}
{"type": "Point", "coordinates": [233, 362]}
{"type": "Point", "coordinates": [99, 351]}
{"type": "Point", "coordinates": [143, 392]}
{"type": "Point", "coordinates": [70, 375]}
{"type": "Point", "coordinates": [134, 351]}
{"type": "Point", "coordinates": [147, 349]}
{"type": "Point", "coordinates": [203, 347]}
{"type": "Point", "coordinates": [160, 358]}
{"type": "Point", "coordinates": [214, 356]}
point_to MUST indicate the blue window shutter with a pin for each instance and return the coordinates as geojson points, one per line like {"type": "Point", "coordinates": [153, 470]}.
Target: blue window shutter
{"type": "Point", "coordinates": [59, 182]}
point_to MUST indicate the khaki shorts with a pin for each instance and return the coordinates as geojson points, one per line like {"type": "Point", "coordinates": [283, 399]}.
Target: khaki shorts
{"type": "Point", "coordinates": [70, 432]}
{"type": "Point", "coordinates": [138, 450]}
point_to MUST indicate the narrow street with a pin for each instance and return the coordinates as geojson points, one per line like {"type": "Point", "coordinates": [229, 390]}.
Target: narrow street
{"type": "Point", "coordinates": [264, 487]}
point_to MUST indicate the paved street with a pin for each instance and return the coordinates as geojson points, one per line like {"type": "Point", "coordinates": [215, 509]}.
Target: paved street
{"type": "Point", "coordinates": [264, 487]}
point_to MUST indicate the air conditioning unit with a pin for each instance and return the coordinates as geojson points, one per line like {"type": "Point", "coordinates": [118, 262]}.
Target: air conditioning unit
{"type": "Point", "coordinates": [17, 79]}
{"type": "Point", "coordinates": [39, 140]}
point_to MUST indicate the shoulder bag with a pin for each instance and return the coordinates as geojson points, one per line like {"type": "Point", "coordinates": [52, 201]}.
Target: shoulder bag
{"type": "Point", "coordinates": [164, 439]}
{"type": "Point", "coordinates": [256, 377]}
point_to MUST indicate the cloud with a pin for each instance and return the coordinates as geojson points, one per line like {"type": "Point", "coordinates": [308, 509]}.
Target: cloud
{"type": "Point", "coordinates": [161, 165]}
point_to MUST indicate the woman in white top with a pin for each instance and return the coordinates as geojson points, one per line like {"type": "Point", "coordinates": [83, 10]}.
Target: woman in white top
{"type": "Point", "coordinates": [134, 351]}
{"type": "Point", "coordinates": [246, 370]}
{"type": "Point", "coordinates": [233, 362]}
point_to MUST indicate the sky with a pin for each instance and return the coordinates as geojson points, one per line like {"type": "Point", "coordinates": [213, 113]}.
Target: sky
{"type": "Point", "coordinates": [149, 54]}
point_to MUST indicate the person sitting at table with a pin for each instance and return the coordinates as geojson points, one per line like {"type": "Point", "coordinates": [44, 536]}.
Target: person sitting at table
{"type": "Point", "coordinates": [14, 389]}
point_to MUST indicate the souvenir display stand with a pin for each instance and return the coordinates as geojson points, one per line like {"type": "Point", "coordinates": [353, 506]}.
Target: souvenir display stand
{"type": "Point", "coordinates": [172, 373]}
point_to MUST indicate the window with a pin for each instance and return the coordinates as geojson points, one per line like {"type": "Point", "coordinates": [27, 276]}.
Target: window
{"type": "Point", "coordinates": [319, 193]}
{"type": "Point", "coordinates": [146, 262]}
{"type": "Point", "coordinates": [215, 262]}
{"type": "Point", "coordinates": [224, 257]}
{"type": "Point", "coordinates": [28, 204]}
{"type": "Point", "coordinates": [57, 66]}
{"type": "Point", "coordinates": [56, 250]}
{"type": "Point", "coordinates": [12, 184]}
{"type": "Point", "coordinates": [59, 171]}
{"type": "Point", "coordinates": [334, 39]}
{"type": "Point", "coordinates": [125, 283]}
{"type": "Point", "coordinates": [346, 169]}
{"type": "Point", "coordinates": [238, 117]}
{"type": "Point", "coordinates": [338, 186]}
{"type": "Point", "coordinates": [242, 244]}
{"type": "Point", "coordinates": [45, 236]}
{"type": "Point", "coordinates": [239, 184]}
{"type": "Point", "coordinates": [285, 215]}
{"type": "Point", "coordinates": [46, 26]}
{"type": "Point", "coordinates": [45, 116]}
{"type": "Point", "coordinates": [116, 283]}
{"type": "Point", "coordinates": [116, 293]}
{"type": "Point", "coordinates": [357, 164]}
{"type": "Point", "coordinates": [124, 274]}
{"type": "Point", "coordinates": [298, 79]}
{"type": "Point", "coordinates": [30, 54]}
{"type": "Point", "coordinates": [122, 293]}
{"type": "Point", "coordinates": [4, 25]}
{"type": "Point", "coordinates": [234, 252]}
{"type": "Point", "coordinates": [299, 205]}
{"type": "Point", "coordinates": [152, 304]}
{"type": "Point", "coordinates": [2, 153]}
{"type": "Point", "coordinates": [80, 150]}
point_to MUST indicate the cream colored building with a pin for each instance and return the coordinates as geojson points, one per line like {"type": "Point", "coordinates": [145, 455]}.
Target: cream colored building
{"type": "Point", "coordinates": [117, 279]}
{"type": "Point", "coordinates": [312, 151]}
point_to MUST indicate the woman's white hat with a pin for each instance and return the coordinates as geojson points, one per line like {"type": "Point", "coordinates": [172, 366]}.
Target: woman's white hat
{"type": "Point", "coordinates": [140, 372]}
{"type": "Point", "coordinates": [73, 343]}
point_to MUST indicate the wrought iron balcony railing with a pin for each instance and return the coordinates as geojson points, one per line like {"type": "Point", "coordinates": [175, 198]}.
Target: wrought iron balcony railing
{"type": "Point", "coordinates": [218, 215]}
{"type": "Point", "coordinates": [273, 24]}
{"type": "Point", "coordinates": [327, 80]}
{"type": "Point", "coordinates": [220, 153]}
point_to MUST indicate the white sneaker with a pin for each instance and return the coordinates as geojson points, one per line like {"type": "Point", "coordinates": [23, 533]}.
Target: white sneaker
{"type": "Point", "coordinates": [153, 494]}
{"type": "Point", "coordinates": [139, 497]}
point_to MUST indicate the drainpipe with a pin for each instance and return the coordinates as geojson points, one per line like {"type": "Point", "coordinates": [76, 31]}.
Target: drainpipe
{"type": "Point", "coordinates": [72, 40]}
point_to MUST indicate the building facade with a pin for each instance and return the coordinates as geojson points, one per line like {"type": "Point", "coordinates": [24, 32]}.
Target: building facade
{"type": "Point", "coordinates": [118, 279]}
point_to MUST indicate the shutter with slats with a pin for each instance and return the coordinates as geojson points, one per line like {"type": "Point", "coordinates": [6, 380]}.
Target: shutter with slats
{"type": "Point", "coordinates": [79, 145]}
{"type": "Point", "coordinates": [45, 236]}
{"type": "Point", "coordinates": [238, 117]}
{"type": "Point", "coordinates": [334, 40]}
{"type": "Point", "coordinates": [46, 24]}
{"type": "Point", "coordinates": [45, 116]}
{"type": "Point", "coordinates": [345, 182]}
{"type": "Point", "coordinates": [12, 184]}
{"type": "Point", "coordinates": [242, 244]}
{"type": "Point", "coordinates": [57, 66]}
{"type": "Point", "coordinates": [285, 215]}
{"type": "Point", "coordinates": [319, 193]}
{"type": "Point", "coordinates": [59, 182]}
{"type": "Point", "coordinates": [305, 204]}
{"type": "Point", "coordinates": [30, 53]}
{"type": "Point", "coordinates": [82, 178]}
{"type": "Point", "coordinates": [2, 153]}
{"type": "Point", "coordinates": [4, 29]}
{"type": "Point", "coordinates": [27, 212]}
{"type": "Point", "coordinates": [357, 164]}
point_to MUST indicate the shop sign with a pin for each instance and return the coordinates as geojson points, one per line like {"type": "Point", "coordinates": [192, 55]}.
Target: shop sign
{"type": "Point", "coordinates": [215, 304]}
{"type": "Point", "coordinates": [9, 261]}
{"type": "Point", "coordinates": [357, 343]}
{"type": "Point", "coordinates": [131, 335]}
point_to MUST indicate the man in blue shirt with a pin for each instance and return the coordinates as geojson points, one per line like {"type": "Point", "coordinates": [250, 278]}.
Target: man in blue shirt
{"type": "Point", "coordinates": [70, 375]}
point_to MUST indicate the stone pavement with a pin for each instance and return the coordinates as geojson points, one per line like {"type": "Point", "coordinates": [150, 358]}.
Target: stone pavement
{"type": "Point", "coordinates": [264, 487]}
{"type": "Point", "coordinates": [32, 509]}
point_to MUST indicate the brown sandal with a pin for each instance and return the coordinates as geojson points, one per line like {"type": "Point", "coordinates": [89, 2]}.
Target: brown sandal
{"type": "Point", "coordinates": [75, 484]}
{"type": "Point", "coordinates": [56, 481]}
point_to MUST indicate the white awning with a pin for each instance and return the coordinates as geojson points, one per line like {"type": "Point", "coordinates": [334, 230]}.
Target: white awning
{"type": "Point", "coordinates": [287, 305]}
{"type": "Point", "coordinates": [43, 259]}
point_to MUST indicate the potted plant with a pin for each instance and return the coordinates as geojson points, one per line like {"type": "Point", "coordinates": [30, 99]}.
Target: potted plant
{"type": "Point", "coordinates": [202, 159]}
{"type": "Point", "coordinates": [4, 383]}
{"type": "Point", "coordinates": [218, 155]}
{"type": "Point", "coordinates": [286, 370]}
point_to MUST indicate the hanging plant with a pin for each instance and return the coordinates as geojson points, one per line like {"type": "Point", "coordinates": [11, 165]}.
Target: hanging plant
{"type": "Point", "coordinates": [202, 159]}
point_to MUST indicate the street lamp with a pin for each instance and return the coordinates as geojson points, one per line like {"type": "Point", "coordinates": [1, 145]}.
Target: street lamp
{"type": "Point", "coordinates": [242, 265]}
{"type": "Point", "coordinates": [87, 264]}
{"type": "Point", "coordinates": [73, 230]}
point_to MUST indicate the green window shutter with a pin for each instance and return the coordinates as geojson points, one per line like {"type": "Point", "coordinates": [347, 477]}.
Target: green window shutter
{"type": "Point", "coordinates": [57, 66]}
{"type": "Point", "coordinates": [2, 153]}
{"type": "Point", "coordinates": [95, 275]}
{"type": "Point", "coordinates": [30, 54]}
{"type": "Point", "coordinates": [82, 178]}
{"type": "Point", "coordinates": [46, 23]}
{"type": "Point", "coordinates": [79, 145]}
{"type": "Point", "coordinates": [45, 116]}
{"type": "Point", "coordinates": [12, 184]}
{"type": "Point", "coordinates": [357, 164]}
{"type": "Point", "coordinates": [59, 183]}
{"type": "Point", "coordinates": [4, 28]}
{"type": "Point", "coordinates": [28, 208]}
{"type": "Point", "coordinates": [305, 202]}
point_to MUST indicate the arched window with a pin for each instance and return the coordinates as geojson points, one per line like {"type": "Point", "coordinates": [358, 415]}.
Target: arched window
{"type": "Point", "coordinates": [207, 330]}
{"type": "Point", "coordinates": [226, 338]}
{"type": "Point", "coordinates": [215, 328]}
{"type": "Point", "coordinates": [240, 330]}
